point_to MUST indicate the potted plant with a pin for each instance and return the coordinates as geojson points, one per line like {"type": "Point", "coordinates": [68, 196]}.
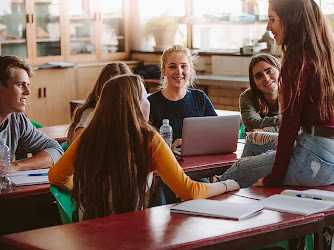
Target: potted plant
{"type": "Point", "coordinates": [164, 29]}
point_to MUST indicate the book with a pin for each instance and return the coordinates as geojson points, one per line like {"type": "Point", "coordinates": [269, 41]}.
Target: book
{"type": "Point", "coordinates": [300, 202]}
{"type": "Point", "coordinates": [30, 177]}
{"type": "Point", "coordinates": [219, 209]}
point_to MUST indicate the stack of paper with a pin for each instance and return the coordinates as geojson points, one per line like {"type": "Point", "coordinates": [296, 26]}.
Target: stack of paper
{"type": "Point", "coordinates": [214, 208]}
{"type": "Point", "coordinates": [30, 177]}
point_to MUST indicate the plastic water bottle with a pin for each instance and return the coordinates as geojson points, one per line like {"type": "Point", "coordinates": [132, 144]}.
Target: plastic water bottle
{"type": "Point", "coordinates": [5, 182]}
{"type": "Point", "coordinates": [166, 132]}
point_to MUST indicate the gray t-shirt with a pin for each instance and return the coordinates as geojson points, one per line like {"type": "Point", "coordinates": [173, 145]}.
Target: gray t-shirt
{"type": "Point", "coordinates": [20, 133]}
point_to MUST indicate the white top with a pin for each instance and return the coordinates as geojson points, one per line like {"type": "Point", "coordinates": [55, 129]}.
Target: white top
{"type": "Point", "coordinates": [86, 117]}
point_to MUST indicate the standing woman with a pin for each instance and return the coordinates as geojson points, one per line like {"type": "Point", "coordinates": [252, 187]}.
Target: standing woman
{"type": "Point", "coordinates": [307, 102]}
{"type": "Point", "coordinates": [84, 113]}
{"type": "Point", "coordinates": [110, 166]}
{"type": "Point", "coordinates": [259, 103]}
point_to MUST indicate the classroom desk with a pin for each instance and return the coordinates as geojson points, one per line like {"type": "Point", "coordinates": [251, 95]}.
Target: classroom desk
{"type": "Point", "coordinates": [58, 132]}
{"type": "Point", "coordinates": [26, 208]}
{"type": "Point", "coordinates": [158, 228]}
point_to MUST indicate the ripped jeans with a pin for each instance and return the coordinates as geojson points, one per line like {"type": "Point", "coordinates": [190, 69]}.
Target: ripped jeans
{"type": "Point", "coordinates": [311, 164]}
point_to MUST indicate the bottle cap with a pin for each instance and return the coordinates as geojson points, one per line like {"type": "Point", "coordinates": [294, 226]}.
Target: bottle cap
{"type": "Point", "coordinates": [165, 121]}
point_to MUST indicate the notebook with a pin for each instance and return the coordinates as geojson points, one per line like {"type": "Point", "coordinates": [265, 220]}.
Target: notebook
{"type": "Point", "coordinates": [30, 177]}
{"type": "Point", "coordinates": [299, 202]}
{"type": "Point", "coordinates": [209, 135]}
{"type": "Point", "coordinates": [219, 209]}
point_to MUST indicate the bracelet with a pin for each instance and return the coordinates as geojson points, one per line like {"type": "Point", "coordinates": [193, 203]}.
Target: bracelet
{"type": "Point", "coordinates": [225, 185]}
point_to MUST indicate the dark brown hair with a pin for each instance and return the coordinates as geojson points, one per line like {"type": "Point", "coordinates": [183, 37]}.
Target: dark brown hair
{"type": "Point", "coordinates": [258, 97]}
{"type": "Point", "coordinates": [8, 65]}
{"type": "Point", "coordinates": [113, 157]}
{"type": "Point", "coordinates": [109, 71]}
{"type": "Point", "coordinates": [307, 44]}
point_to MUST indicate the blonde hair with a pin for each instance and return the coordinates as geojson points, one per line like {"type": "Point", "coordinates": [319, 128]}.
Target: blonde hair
{"type": "Point", "coordinates": [192, 60]}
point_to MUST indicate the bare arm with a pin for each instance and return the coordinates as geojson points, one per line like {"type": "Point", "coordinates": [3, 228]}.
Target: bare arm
{"type": "Point", "coordinates": [40, 160]}
{"type": "Point", "coordinates": [221, 187]}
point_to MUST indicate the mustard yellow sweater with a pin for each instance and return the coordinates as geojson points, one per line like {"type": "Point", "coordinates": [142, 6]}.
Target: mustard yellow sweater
{"type": "Point", "coordinates": [163, 160]}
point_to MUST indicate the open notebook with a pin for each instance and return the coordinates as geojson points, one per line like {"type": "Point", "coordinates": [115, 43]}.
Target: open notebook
{"type": "Point", "coordinates": [214, 208]}
{"type": "Point", "coordinates": [300, 202]}
{"type": "Point", "coordinates": [30, 177]}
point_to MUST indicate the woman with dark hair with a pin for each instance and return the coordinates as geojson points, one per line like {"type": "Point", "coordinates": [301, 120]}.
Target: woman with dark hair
{"type": "Point", "coordinates": [84, 113]}
{"type": "Point", "coordinates": [259, 103]}
{"type": "Point", "coordinates": [304, 155]}
{"type": "Point", "coordinates": [110, 166]}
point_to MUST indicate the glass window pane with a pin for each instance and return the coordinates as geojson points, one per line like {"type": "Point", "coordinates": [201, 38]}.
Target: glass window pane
{"type": "Point", "coordinates": [82, 37]}
{"type": "Point", "coordinates": [13, 28]}
{"type": "Point", "coordinates": [113, 35]}
{"type": "Point", "coordinates": [47, 28]}
{"type": "Point", "coordinates": [170, 19]}
{"type": "Point", "coordinates": [113, 39]}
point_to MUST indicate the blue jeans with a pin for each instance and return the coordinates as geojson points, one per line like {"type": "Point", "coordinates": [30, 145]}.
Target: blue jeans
{"type": "Point", "coordinates": [311, 164]}
{"type": "Point", "coordinates": [252, 149]}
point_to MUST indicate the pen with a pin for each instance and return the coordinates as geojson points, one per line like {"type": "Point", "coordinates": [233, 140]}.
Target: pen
{"type": "Point", "coordinates": [309, 197]}
{"type": "Point", "coordinates": [41, 174]}
{"type": "Point", "coordinates": [217, 177]}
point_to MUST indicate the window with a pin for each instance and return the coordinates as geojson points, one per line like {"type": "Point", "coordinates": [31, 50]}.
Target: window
{"type": "Point", "coordinates": [215, 25]}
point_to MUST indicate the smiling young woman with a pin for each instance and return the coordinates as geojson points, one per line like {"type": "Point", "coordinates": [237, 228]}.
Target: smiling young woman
{"type": "Point", "coordinates": [304, 155]}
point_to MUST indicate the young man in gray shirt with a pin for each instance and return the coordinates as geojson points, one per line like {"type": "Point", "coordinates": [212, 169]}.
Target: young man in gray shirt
{"type": "Point", "coordinates": [14, 126]}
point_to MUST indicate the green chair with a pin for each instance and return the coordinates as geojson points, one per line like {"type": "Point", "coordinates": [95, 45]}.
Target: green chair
{"type": "Point", "coordinates": [64, 203]}
{"type": "Point", "coordinates": [242, 132]}
{"type": "Point", "coordinates": [36, 124]}
{"type": "Point", "coordinates": [64, 145]}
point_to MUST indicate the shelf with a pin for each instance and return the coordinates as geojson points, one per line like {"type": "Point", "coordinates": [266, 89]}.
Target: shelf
{"type": "Point", "coordinates": [111, 17]}
{"type": "Point", "coordinates": [45, 40]}
{"type": "Point", "coordinates": [81, 18]}
{"type": "Point", "coordinates": [13, 41]}
{"type": "Point", "coordinates": [80, 39]}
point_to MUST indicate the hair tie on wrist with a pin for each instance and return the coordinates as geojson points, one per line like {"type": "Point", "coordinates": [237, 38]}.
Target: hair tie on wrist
{"type": "Point", "coordinates": [225, 185]}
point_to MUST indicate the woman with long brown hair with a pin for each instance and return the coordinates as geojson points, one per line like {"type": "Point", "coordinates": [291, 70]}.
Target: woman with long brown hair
{"type": "Point", "coordinates": [259, 103]}
{"type": "Point", "coordinates": [304, 155]}
{"type": "Point", "coordinates": [112, 161]}
{"type": "Point", "coordinates": [84, 113]}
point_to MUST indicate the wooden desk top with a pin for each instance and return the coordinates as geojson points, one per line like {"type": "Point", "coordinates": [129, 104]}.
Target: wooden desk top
{"type": "Point", "coordinates": [58, 132]}
{"type": "Point", "coordinates": [21, 191]}
{"type": "Point", "coordinates": [158, 228]}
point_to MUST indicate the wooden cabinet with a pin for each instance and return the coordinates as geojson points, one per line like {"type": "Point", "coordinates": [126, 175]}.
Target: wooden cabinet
{"type": "Point", "coordinates": [58, 30]}
{"type": "Point", "coordinates": [51, 93]}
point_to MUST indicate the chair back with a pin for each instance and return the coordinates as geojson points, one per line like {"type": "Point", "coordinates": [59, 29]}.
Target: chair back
{"type": "Point", "coordinates": [64, 203]}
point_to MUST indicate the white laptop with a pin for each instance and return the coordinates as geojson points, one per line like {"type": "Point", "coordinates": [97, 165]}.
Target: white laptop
{"type": "Point", "coordinates": [210, 135]}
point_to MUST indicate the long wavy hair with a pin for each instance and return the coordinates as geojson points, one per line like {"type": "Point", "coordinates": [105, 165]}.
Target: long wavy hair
{"type": "Point", "coordinates": [258, 97]}
{"type": "Point", "coordinates": [164, 58]}
{"type": "Point", "coordinates": [110, 70]}
{"type": "Point", "coordinates": [307, 44]}
{"type": "Point", "coordinates": [112, 162]}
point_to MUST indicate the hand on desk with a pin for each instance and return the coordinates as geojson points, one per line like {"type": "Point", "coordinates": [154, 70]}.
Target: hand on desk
{"type": "Point", "coordinates": [231, 185]}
